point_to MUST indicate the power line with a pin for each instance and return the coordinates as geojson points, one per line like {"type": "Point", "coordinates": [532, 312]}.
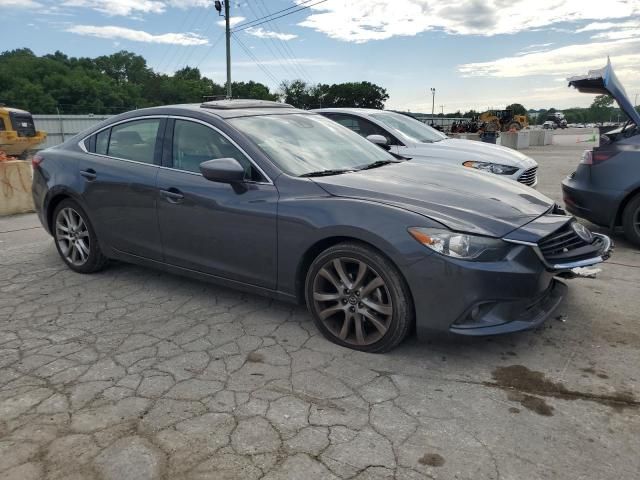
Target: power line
{"type": "Point", "coordinates": [250, 54]}
{"type": "Point", "coordinates": [274, 13]}
{"type": "Point", "coordinates": [286, 48]}
{"type": "Point", "coordinates": [213, 45]}
{"type": "Point", "coordinates": [245, 26]}
{"type": "Point", "coordinates": [267, 42]}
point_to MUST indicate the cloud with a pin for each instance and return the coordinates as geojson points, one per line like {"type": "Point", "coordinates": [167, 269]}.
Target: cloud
{"type": "Point", "coordinates": [307, 62]}
{"type": "Point", "coordinates": [233, 21]}
{"type": "Point", "coordinates": [562, 61]}
{"type": "Point", "coordinates": [20, 4]}
{"type": "Point", "coordinates": [113, 32]}
{"type": "Point", "coordinates": [618, 34]}
{"type": "Point", "coordinates": [184, 4]}
{"type": "Point", "coordinates": [119, 7]}
{"type": "Point", "coordinates": [608, 26]}
{"type": "Point", "coordinates": [364, 20]}
{"type": "Point", "coordinates": [262, 33]}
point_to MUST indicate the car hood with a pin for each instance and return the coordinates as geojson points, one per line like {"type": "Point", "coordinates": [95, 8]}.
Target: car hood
{"type": "Point", "coordinates": [604, 81]}
{"type": "Point", "coordinates": [462, 199]}
{"type": "Point", "coordinates": [459, 150]}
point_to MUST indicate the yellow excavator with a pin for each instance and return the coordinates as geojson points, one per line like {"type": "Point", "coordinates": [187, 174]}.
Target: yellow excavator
{"type": "Point", "coordinates": [18, 134]}
{"type": "Point", "coordinates": [503, 120]}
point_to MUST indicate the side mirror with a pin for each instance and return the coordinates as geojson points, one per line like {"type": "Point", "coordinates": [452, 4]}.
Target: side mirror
{"type": "Point", "coordinates": [379, 140]}
{"type": "Point", "coordinates": [223, 170]}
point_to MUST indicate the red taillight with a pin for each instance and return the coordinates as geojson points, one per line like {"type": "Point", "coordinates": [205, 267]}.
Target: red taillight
{"type": "Point", "coordinates": [599, 157]}
{"type": "Point", "coordinates": [36, 160]}
{"type": "Point", "coordinates": [592, 157]}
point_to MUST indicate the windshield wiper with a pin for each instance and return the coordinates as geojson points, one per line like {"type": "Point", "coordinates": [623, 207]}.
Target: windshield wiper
{"type": "Point", "coordinates": [324, 173]}
{"type": "Point", "coordinates": [378, 163]}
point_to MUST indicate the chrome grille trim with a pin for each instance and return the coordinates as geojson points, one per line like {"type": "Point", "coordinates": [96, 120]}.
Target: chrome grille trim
{"type": "Point", "coordinates": [529, 176]}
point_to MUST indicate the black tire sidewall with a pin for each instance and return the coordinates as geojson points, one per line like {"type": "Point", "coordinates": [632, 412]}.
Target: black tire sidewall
{"type": "Point", "coordinates": [96, 259]}
{"type": "Point", "coordinates": [402, 318]}
{"type": "Point", "coordinates": [631, 210]}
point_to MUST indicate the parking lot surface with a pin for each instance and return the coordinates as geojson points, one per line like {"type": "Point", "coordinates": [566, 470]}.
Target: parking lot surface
{"type": "Point", "coordinates": [136, 374]}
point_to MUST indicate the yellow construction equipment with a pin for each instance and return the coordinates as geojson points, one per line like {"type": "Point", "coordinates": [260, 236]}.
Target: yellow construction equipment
{"type": "Point", "coordinates": [18, 134]}
{"type": "Point", "coordinates": [503, 120]}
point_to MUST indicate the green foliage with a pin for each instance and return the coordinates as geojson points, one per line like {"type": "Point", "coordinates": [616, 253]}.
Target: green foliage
{"type": "Point", "coordinates": [518, 109]}
{"type": "Point", "coordinates": [107, 84]}
{"type": "Point", "coordinates": [602, 101]}
{"type": "Point", "coordinates": [351, 94]}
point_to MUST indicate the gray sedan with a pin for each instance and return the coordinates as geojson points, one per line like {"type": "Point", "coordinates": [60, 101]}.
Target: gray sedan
{"type": "Point", "coordinates": [273, 200]}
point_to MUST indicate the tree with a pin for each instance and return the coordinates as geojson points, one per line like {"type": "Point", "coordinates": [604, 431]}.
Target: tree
{"type": "Point", "coordinates": [602, 101]}
{"type": "Point", "coordinates": [518, 109]}
{"type": "Point", "coordinates": [351, 94]}
{"type": "Point", "coordinates": [106, 84]}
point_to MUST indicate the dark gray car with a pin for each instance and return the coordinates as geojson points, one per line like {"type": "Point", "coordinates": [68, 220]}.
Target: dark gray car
{"type": "Point", "coordinates": [605, 188]}
{"type": "Point", "coordinates": [274, 200]}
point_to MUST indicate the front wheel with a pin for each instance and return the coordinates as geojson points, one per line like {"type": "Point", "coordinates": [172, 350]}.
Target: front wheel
{"type": "Point", "coordinates": [358, 298]}
{"type": "Point", "coordinates": [631, 220]}
{"type": "Point", "coordinates": [75, 238]}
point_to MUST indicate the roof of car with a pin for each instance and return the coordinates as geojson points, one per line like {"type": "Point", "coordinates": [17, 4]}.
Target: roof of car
{"type": "Point", "coordinates": [227, 108]}
{"type": "Point", "coordinates": [362, 111]}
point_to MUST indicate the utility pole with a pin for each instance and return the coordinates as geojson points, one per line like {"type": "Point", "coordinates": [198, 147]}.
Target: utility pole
{"type": "Point", "coordinates": [442, 109]}
{"type": "Point", "coordinates": [226, 21]}
{"type": "Point", "coordinates": [218, 6]}
{"type": "Point", "coordinates": [433, 100]}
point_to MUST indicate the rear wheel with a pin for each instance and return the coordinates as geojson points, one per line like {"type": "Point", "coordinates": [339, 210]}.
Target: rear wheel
{"type": "Point", "coordinates": [75, 238]}
{"type": "Point", "coordinates": [358, 298]}
{"type": "Point", "coordinates": [631, 220]}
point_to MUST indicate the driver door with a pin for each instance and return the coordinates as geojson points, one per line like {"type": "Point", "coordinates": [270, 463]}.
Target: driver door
{"type": "Point", "coordinates": [215, 228]}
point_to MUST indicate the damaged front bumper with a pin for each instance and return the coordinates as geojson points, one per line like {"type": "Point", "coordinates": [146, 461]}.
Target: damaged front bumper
{"type": "Point", "coordinates": [515, 294]}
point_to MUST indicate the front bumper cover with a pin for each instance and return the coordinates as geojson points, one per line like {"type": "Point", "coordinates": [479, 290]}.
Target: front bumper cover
{"type": "Point", "coordinates": [488, 298]}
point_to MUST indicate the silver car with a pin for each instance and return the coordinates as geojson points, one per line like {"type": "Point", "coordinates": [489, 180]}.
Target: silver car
{"type": "Point", "coordinates": [406, 136]}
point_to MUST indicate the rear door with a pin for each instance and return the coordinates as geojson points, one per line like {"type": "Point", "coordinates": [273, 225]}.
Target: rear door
{"type": "Point", "coordinates": [215, 228]}
{"type": "Point", "coordinates": [119, 173]}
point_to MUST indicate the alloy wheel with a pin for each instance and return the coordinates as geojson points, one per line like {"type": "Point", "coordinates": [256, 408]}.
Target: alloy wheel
{"type": "Point", "coordinates": [72, 236]}
{"type": "Point", "coordinates": [352, 301]}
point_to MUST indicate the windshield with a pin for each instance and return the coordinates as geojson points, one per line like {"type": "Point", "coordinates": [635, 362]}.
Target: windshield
{"type": "Point", "coordinates": [410, 128]}
{"type": "Point", "coordinates": [301, 143]}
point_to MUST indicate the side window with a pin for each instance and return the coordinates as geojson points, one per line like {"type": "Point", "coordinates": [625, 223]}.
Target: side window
{"type": "Point", "coordinates": [2, 127]}
{"type": "Point", "coordinates": [362, 127]}
{"type": "Point", "coordinates": [135, 140]}
{"type": "Point", "coordinates": [194, 143]}
{"type": "Point", "coordinates": [102, 141]}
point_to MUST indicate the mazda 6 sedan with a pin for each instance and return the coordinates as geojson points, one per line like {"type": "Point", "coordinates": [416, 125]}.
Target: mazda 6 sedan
{"type": "Point", "coordinates": [273, 200]}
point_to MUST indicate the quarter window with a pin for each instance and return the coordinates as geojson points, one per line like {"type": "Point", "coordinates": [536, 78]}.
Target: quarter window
{"type": "Point", "coordinates": [194, 143]}
{"type": "Point", "coordinates": [102, 141]}
{"type": "Point", "coordinates": [135, 140]}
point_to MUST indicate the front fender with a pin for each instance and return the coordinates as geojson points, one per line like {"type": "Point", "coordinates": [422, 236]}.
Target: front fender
{"type": "Point", "coordinates": [304, 223]}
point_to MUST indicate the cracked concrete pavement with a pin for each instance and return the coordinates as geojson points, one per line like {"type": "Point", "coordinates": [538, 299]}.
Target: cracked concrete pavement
{"type": "Point", "coordinates": [137, 374]}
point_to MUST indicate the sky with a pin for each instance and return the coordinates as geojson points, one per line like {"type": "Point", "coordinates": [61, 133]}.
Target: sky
{"type": "Point", "coordinates": [476, 53]}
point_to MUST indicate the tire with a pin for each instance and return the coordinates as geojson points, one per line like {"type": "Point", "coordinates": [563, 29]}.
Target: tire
{"type": "Point", "coordinates": [76, 239]}
{"type": "Point", "coordinates": [515, 125]}
{"type": "Point", "coordinates": [631, 220]}
{"type": "Point", "coordinates": [370, 310]}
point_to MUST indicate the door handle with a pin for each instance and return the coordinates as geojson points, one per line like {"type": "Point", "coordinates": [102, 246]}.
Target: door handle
{"type": "Point", "coordinates": [172, 195]}
{"type": "Point", "coordinates": [89, 174]}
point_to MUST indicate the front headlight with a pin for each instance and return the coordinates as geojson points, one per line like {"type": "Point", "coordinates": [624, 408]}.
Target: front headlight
{"type": "Point", "coordinates": [461, 245]}
{"type": "Point", "coordinates": [496, 168]}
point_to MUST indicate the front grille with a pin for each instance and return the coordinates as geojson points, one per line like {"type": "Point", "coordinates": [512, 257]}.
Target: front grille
{"type": "Point", "coordinates": [23, 125]}
{"type": "Point", "coordinates": [529, 176]}
{"type": "Point", "coordinates": [565, 245]}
